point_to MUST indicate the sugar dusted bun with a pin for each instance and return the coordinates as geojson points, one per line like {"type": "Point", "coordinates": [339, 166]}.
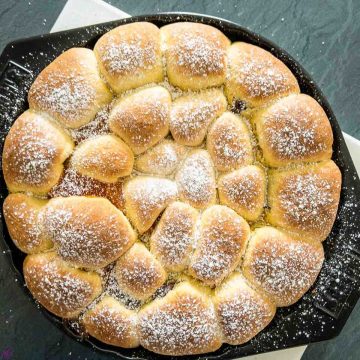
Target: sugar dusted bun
{"type": "Point", "coordinates": [163, 159]}
{"type": "Point", "coordinates": [241, 310]}
{"type": "Point", "coordinates": [174, 237]}
{"type": "Point", "coordinates": [141, 119]}
{"type": "Point", "coordinates": [305, 199]}
{"type": "Point", "coordinates": [195, 55]}
{"type": "Point", "coordinates": [196, 180]}
{"type": "Point", "coordinates": [34, 151]}
{"type": "Point", "coordinates": [138, 273]}
{"type": "Point", "coordinates": [171, 189]}
{"type": "Point", "coordinates": [223, 236]}
{"type": "Point", "coordinates": [88, 232]}
{"type": "Point", "coordinates": [281, 266]}
{"type": "Point", "coordinates": [112, 323]}
{"type": "Point", "coordinates": [70, 89]}
{"type": "Point", "coordinates": [23, 216]}
{"type": "Point", "coordinates": [256, 77]}
{"type": "Point", "coordinates": [145, 198]}
{"type": "Point", "coordinates": [129, 56]}
{"type": "Point", "coordinates": [192, 114]}
{"type": "Point", "coordinates": [61, 289]}
{"type": "Point", "coordinates": [294, 129]}
{"type": "Point", "coordinates": [229, 142]}
{"type": "Point", "coordinates": [244, 191]}
{"type": "Point", "coordinates": [181, 323]}
{"type": "Point", "coordinates": [105, 158]}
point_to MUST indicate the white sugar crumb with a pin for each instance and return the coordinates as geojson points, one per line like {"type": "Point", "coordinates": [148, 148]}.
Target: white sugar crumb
{"type": "Point", "coordinates": [285, 269]}
{"type": "Point", "coordinates": [60, 289]}
{"type": "Point", "coordinates": [69, 96]}
{"type": "Point", "coordinates": [151, 193]}
{"type": "Point", "coordinates": [128, 56]}
{"type": "Point", "coordinates": [219, 248]}
{"type": "Point", "coordinates": [294, 133]}
{"type": "Point", "coordinates": [196, 180]}
{"type": "Point", "coordinates": [306, 200]}
{"type": "Point", "coordinates": [173, 238]}
{"type": "Point", "coordinates": [198, 55]}
{"type": "Point", "coordinates": [83, 241]}
{"type": "Point", "coordinates": [179, 328]}
{"type": "Point", "coordinates": [260, 77]}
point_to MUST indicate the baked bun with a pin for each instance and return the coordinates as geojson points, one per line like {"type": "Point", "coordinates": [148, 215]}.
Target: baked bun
{"type": "Point", "coordinates": [181, 323]}
{"type": "Point", "coordinates": [73, 183]}
{"type": "Point", "coordinates": [165, 186]}
{"type": "Point", "coordinates": [304, 200]}
{"type": "Point", "coordinates": [293, 130]}
{"type": "Point", "coordinates": [192, 114]}
{"type": "Point", "coordinates": [244, 191]}
{"type": "Point", "coordinates": [138, 273]}
{"type": "Point", "coordinates": [174, 237]}
{"type": "Point", "coordinates": [283, 267]}
{"type": "Point", "coordinates": [88, 232]}
{"type": "Point", "coordinates": [229, 143]}
{"type": "Point", "coordinates": [195, 55]}
{"type": "Point", "coordinates": [196, 180]}
{"type": "Point", "coordinates": [242, 311]}
{"type": "Point", "coordinates": [23, 216]}
{"type": "Point", "coordinates": [141, 118]}
{"type": "Point", "coordinates": [256, 77]}
{"type": "Point", "coordinates": [223, 236]}
{"type": "Point", "coordinates": [70, 89]}
{"type": "Point", "coordinates": [34, 151]}
{"type": "Point", "coordinates": [163, 159]}
{"type": "Point", "coordinates": [105, 158]}
{"type": "Point", "coordinates": [145, 198]}
{"type": "Point", "coordinates": [61, 289]}
{"type": "Point", "coordinates": [129, 56]}
{"type": "Point", "coordinates": [112, 323]}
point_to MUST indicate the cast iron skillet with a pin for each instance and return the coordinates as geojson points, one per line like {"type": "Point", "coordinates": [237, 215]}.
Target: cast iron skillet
{"type": "Point", "coordinates": [323, 311]}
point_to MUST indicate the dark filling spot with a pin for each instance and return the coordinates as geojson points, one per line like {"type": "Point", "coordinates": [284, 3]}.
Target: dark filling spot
{"type": "Point", "coordinates": [238, 106]}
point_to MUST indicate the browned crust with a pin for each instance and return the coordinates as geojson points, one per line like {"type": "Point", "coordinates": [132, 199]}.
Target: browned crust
{"type": "Point", "coordinates": [61, 289]}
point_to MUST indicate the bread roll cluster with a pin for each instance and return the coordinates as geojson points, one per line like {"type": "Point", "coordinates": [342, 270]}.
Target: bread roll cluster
{"type": "Point", "coordinates": [170, 188]}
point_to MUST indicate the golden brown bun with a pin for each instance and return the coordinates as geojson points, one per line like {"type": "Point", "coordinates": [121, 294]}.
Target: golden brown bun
{"type": "Point", "coordinates": [256, 77]}
{"type": "Point", "coordinates": [223, 236]}
{"type": "Point", "coordinates": [196, 180]}
{"type": "Point", "coordinates": [181, 323]}
{"type": "Point", "coordinates": [293, 130]}
{"type": "Point", "coordinates": [195, 55]}
{"type": "Point", "coordinates": [244, 191]}
{"type": "Point", "coordinates": [61, 289]}
{"type": "Point", "coordinates": [173, 239]}
{"type": "Point", "coordinates": [23, 216]}
{"type": "Point", "coordinates": [70, 89]}
{"type": "Point", "coordinates": [105, 158]}
{"type": "Point", "coordinates": [138, 273]}
{"type": "Point", "coordinates": [242, 311]}
{"type": "Point", "coordinates": [34, 151]}
{"type": "Point", "coordinates": [229, 143]}
{"type": "Point", "coordinates": [192, 114]}
{"type": "Point", "coordinates": [129, 56]}
{"type": "Point", "coordinates": [281, 266]}
{"type": "Point", "coordinates": [304, 200]}
{"type": "Point", "coordinates": [112, 323]}
{"type": "Point", "coordinates": [163, 159]}
{"type": "Point", "coordinates": [145, 198]}
{"type": "Point", "coordinates": [74, 184]}
{"type": "Point", "coordinates": [141, 118]}
{"type": "Point", "coordinates": [88, 232]}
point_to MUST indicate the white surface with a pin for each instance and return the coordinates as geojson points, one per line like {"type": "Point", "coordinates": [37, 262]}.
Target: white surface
{"type": "Point", "coordinates": [78, 13]}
